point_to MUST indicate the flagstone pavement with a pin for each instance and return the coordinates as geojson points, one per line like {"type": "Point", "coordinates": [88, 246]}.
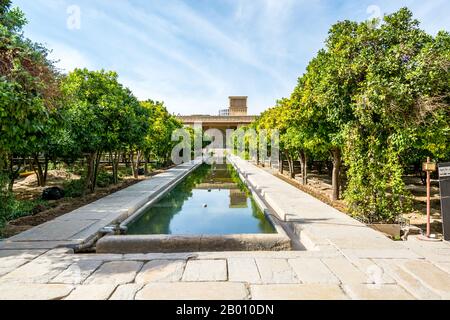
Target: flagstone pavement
{"type": "Point", "coordinates": [344, 259]}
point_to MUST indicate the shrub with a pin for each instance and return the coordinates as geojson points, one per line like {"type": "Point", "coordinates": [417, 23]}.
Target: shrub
{"type": "Point", "coordinates": [104, 179]}
{"type": "Point", "coordinates": [6, 199]}
{"type": "Point", "coordinates": [74, 188]}
{"type": "Point", "coordinates": [11, 208]}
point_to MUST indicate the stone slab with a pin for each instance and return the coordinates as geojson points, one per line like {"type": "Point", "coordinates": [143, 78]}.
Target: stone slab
{"type": "Point", "coordinates": [377, 292]}
{"type": "Point", "coordinates": [126, 291]}
{"type": "Point", "coordinates": [407, 281]}
{"type": "Point", "coordinates": [53, 231]}
{"type": "Point", "coordinates": [40, 270]}
{"type": "Point", "coordinates": [431, 276]}
{"type": "Point", "coordinates": [115, 272]}
{"type": "Point", "coordinates": [243, 270]}
{"type": "Point", "coordinates": [297, 292]}
{"type": "Point", "coordinates": [313, 271]}
{"type": "Point", "coordinates": [20, 291]}
{"type": "Point", "coordinates": [205, 270]}
{"type": "Point", "coordinates": [34, 245]}
{"type": "Point", "coordinates": [275, 271]}
{"type": "Point", "coordinates": [77, 272]}
{"type": "Point", "coordinates": [345, 271]}
{"type": "Point", "coordinates": [92, 292]}
{"type": "Point", "coordinates": [161, 271]}
{"type": "Point", "coordinates": [193, 291]}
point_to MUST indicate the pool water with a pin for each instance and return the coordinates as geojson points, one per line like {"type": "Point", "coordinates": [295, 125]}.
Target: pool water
{"type": "Point", "coordinates": [211, 200]}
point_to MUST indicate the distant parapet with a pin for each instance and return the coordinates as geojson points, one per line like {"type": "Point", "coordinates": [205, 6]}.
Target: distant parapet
{"type": "Point", "coordinates": [224, 112]}
{"type": "Point", "coordinates": [234, 117]}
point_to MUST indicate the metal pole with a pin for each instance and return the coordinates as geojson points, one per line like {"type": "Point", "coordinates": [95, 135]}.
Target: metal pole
{"type": "Point", "coordinates": [428, 201]}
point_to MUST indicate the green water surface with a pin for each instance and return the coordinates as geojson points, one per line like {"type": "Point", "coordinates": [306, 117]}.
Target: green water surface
{"type": "Point", "coordinates": [211, 200]}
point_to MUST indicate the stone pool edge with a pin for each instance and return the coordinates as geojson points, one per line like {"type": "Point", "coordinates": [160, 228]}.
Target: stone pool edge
{"type": "Point", "coordinates": [122, 244]}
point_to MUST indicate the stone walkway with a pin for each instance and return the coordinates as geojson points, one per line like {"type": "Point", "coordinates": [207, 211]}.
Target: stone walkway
{"type": "Point", "coordinates": [344, 260]}
{"type": "Point", "coordinates": [82, 225]}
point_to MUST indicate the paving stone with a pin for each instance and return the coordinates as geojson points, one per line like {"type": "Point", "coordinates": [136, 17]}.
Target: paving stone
{"type": "Point", "coordinates": [32, 245]}
{"type": "Point", "coordinates": [384, 253]}
{"type": "Point", "coordinates": [126, 291]}
{"type": "Point", "coordinates": [115, 272]}
{"type": "Point", "coordinates": [12, 262]}
{"type": "Point", "coordinates": [97, 257]}
{"type": "Point", "coordinates": [313, 271]}
{"type": "Point", "coordinates": [407, 281]}
{"type": "Point", "coordinates": [444, 266]}
{"type": "Point", "coordinates": [159, 256]}
{"type": "Point", "coordinates": [21, 291]}
{"type": "Point", "coordinates": [53, 231]}
{"type": "Point", "coordinates": [4, 271]}
{"type": "Point", "coordinates": [40, 270]}
{"type": "Point", "coordinates": [161, 271]}
{"type": "Point", "coordinates": [6, 255]}
{"type": "Point", "coordinates": [243, 270]}
{"type": "Point", "coordinates": [375, 272]}
{"type": "Point", "coordinates": [193, 291]}
{"type": "Point", "coordinates": [431, 276]}
{"type": "Point", "coordinates": [92, 292]}
{"type": "Point", "coordinates": [205, 270]}
{"type": "Point", "coordinates": [377, 292]}
{"type": "Point", "coordinates": [264, 254]}
{"type": "Point", "coordinates": [345, 271]}
{"type": "Point", "coordinates": [297, 292]}
{"type": "Point", "coordinates": [276, 271]}
{"type": "Point", "coordinates": [77, 272]}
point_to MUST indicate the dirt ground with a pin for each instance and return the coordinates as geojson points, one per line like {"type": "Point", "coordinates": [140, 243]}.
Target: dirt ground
{"type": "Point", "coordinates": [27, 189]}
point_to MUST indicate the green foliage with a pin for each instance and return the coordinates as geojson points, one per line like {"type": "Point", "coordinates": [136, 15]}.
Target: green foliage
{"type": "Point", "coordinates": [29, 90]}
{"type": "Point", "coordinates": [104, 179]}
{"type": "Point", "coordinates": [380, 97]}
{"type": "Point", "coordinates": [10, 208]}
{"type": "Point", "coordinates": [52, 117]}
{"type": "Point", "coordinates": [6, 199]}
{"type": "Point", "coordinates": [11, 19]}
{"type": "Point", "coordinates": [158, 142]}
{"type": "Point", "coordinates": [74, 188]}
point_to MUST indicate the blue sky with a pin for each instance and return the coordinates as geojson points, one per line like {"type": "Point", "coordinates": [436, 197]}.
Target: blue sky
{"type": "Point", "coordinates": [193, 54]}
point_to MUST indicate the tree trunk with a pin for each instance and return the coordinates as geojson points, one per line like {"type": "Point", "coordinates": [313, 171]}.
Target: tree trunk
{"type": "Point", "coordinates": [90, 159]}
{"type": "Point", "coordinates": [44, 176]}
{"type": "Point", "coordinates": [115, 166]}
{"type": "Point", "coordinates": [304, 167]}
{"type": "Point", "coordinates": [291, 165]}
{"type": "Point", "coordinates": [136, 165]}
{"type": "Point", "coordinates": [12, 174]}
{"type": "Point", "coordinates": [96, 166]}
{"type": "Point", "coordinates": [280, 167]}
{"type": "Point", "coordinates": [126, 160]}
{"type": "Point", "coordinates": [146, 166]}
{"type": "Point", "coordinates": [38, 170]}
{"type": "Point", "coordinates": [336, 178]}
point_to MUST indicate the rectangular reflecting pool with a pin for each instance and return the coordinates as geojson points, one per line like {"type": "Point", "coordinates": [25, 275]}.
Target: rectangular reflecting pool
{"type": "Point", "coordinates": [212, 200]}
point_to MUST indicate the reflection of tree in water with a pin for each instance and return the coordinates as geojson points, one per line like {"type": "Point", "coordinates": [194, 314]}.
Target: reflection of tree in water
{"type": "Point", "coordinates": [235, 178]}
{"type": "Point", "coordinates": [264, 225]}
{"type": "Point", "coordinates": [157, 218]}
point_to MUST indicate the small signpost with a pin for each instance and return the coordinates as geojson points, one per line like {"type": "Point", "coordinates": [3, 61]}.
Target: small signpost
{"type": "Point", "coordinates": [444, 188]}
{"type": "Point", "coordinates": [428, 167]}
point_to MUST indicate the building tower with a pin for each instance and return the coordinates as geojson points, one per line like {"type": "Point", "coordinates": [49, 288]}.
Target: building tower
{"type": "Point", "coordinates": [238, 106]}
